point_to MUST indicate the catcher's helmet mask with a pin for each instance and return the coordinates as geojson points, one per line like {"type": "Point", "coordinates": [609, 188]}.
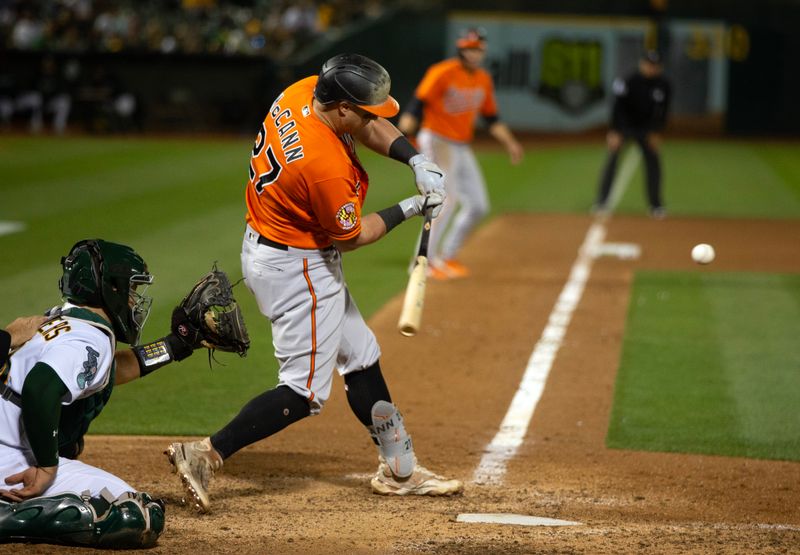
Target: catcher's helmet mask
{"type": "Point", "coordinates": [359, 80]}
{"type": "Point", "coordinates": [105, 275]}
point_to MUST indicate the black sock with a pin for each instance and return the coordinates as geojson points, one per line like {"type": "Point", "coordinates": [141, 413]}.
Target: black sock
{"type": "Point", "coordinates": [653, 166]}
{"type": "Point", "coordinates": [364, 389]}
{"type": "Point", "coordinates": [263, 416]}
{"type": "Point", "coordinates": [607, 177]}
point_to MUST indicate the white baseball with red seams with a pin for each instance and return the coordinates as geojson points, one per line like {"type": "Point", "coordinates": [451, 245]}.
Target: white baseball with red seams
{"type": "Point", "coordinates": [703, 253]}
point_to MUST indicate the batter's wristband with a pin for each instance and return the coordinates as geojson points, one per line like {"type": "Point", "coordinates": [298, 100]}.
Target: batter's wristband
{"type": "Point", "coordinates": [491, 120]}
{"type": "Point", "coordinates": [402, 150]}
{"type": "Point", "coordinates": [392, 216]}
{"type": "Point", "coordinates": [153, 356]}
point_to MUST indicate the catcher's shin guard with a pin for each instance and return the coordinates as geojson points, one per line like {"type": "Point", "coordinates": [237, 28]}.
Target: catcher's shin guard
{"type": "Point", "coordinates": [129, 521]}
{"type": "Point", "coordinates": [393, 441]}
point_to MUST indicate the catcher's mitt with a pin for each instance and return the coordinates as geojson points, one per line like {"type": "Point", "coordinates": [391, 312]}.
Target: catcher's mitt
{"type": "Point", "coordinates": [210, 317]}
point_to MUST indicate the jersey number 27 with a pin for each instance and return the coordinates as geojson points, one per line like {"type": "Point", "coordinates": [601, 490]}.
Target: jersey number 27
{"type": "Point", "coordinates": [259, 162]}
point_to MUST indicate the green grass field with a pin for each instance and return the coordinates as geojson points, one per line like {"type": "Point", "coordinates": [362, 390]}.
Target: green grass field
{"type": "Point", "coordinates": [179, 203]}
{"type": "Point", "coordinates": [710, 365]}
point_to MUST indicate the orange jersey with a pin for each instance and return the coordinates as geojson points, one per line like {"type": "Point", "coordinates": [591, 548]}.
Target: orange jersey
{"type": "Point", "coordinates": [306, 185]}
{"type": "Point", "coordinates": [452, 97]}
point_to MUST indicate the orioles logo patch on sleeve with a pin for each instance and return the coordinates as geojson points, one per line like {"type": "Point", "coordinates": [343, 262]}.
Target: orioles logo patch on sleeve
{"type": "Point", "coordinates": [346, 216]}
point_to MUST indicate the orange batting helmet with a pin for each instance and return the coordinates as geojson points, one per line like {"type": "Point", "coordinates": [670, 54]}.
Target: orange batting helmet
{"type": "Point", "coordinates": [474, 37]}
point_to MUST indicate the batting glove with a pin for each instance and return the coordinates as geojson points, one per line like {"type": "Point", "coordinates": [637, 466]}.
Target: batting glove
{"type": "Point", "coordinates": [429, 176]}
{"type": "Point", "coordinates": [416, 205]}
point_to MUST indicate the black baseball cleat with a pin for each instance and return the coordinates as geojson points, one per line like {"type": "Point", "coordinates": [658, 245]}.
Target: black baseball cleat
{"type": "Point", "coordinates": [658, 213]}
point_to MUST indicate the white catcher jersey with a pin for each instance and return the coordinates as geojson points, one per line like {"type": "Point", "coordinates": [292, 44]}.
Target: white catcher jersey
{"type": "Point", "coordinates": [80, 352]}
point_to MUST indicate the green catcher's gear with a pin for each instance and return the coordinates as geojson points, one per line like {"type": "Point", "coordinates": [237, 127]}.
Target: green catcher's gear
{"type": "Point", "coordinates": [76, 418]}
{"type": "Point", "coordinates": [105, 275]}
{"type": "Point", "coordinates": [78, 415]}
{"type": "Point", "coordinates": [131, 520]}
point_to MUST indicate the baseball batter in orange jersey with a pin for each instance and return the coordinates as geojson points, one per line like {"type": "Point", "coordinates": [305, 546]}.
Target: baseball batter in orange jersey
{"type": "Point", "coordinates": [306, 185]}
{"type": "Point", "coordinates": [448, 101]}
{"type": "Point", "coordinates": [305, 194]}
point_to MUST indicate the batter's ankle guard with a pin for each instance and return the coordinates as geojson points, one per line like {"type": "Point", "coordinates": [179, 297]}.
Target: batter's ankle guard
{"type": "Point", "coordinates": [129, 521]}
{"type": "Point", "coordinates": [393, 441]}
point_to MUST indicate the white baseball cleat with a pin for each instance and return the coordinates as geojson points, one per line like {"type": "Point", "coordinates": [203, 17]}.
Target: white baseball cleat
{"type": "Point", "coordinates": [421, 482]}
{"type": "Point", "coordinates": [195, 462]}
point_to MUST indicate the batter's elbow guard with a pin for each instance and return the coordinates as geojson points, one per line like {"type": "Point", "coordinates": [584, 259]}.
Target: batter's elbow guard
{"type": "Point", "coordinates": [415, 107]}
{"type": "Point", "coordinates": [132, 520]}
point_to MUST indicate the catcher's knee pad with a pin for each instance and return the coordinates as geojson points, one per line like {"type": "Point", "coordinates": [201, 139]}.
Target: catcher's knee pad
{"type": "Point", "coordinates": [128, 521]}
{"type": "Point", "coordinates": [393, 441]}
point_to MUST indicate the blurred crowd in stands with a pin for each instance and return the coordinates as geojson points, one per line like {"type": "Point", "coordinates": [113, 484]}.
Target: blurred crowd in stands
{"type": "Point", "coordinates": [61, 88]}
{"type": "Point", "coordinates": [273, 28]}
{"type": "Point", "coordinates": [73, 38]}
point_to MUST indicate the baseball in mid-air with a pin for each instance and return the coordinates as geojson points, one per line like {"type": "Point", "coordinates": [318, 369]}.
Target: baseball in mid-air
{"type": "Point", "coordinates": [703, 253]}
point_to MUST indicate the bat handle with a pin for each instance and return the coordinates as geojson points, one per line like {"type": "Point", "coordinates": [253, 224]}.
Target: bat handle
{"type": "Point", "coordinates": [426, 233]}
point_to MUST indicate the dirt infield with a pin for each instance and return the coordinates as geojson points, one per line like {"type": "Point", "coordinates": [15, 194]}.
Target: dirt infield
{"type": "Point", "coordinates": [306, 489]}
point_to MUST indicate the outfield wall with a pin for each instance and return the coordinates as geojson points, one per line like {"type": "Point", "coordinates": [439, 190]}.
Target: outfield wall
{"type": "Point", "coordinates": [555, 73]}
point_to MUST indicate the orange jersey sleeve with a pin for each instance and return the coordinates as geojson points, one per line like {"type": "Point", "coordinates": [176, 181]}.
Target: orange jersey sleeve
{"type": "Point", "coordinates": [306, 186]}
{"type": "Point", "coordinates": [452, 97]}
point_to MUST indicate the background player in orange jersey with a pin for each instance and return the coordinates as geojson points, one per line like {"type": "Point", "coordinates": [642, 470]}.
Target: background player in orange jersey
{"type": "Point", "coordinates": [304, 200]}
{"type": "Point", "coordinates": [447, 101]}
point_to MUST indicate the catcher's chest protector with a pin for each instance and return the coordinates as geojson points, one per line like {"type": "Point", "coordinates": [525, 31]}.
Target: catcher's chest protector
{"type": "Point", "coordinates": [77, 416]}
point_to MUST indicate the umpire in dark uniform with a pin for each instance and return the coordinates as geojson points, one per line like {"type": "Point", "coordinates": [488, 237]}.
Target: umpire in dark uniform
{"type": "Point", "coordinates": [640, 112]}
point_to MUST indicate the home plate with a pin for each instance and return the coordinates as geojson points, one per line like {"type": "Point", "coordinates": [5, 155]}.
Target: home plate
{"type": "Point", "coordinates": [519, 520]}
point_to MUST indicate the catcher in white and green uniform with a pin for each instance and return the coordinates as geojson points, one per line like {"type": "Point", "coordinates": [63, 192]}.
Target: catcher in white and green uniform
{"type": "Point", "coordinates": [56, 382]}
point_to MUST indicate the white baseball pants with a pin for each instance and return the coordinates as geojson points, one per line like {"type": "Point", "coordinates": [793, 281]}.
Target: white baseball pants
{"type": "Point", "coordinates": [316, 325]}
{"type": "Point", "coordinates": [467, 201]}
{"type": "Point", "coordinates": [72, 476]}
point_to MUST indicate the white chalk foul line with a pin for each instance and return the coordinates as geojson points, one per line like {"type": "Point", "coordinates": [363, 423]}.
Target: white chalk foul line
{"type": "Point", "coordinates": [630, 162]}
{"type": "Point", "coordinates": [511, 434]}
{"type": "Point", "coordinates": [7, 228]}
{"type": "Point", "coordinates": [512, 430]}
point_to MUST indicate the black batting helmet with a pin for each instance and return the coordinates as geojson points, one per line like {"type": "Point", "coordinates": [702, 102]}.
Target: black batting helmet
{"type": "Point", "coordinates": [652, 56]}
{"type": "Point", "coordinates": [359, 80]}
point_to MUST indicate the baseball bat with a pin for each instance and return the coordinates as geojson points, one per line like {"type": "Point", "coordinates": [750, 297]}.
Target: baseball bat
{"type": "Point", "coordinates": [411, 314]}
